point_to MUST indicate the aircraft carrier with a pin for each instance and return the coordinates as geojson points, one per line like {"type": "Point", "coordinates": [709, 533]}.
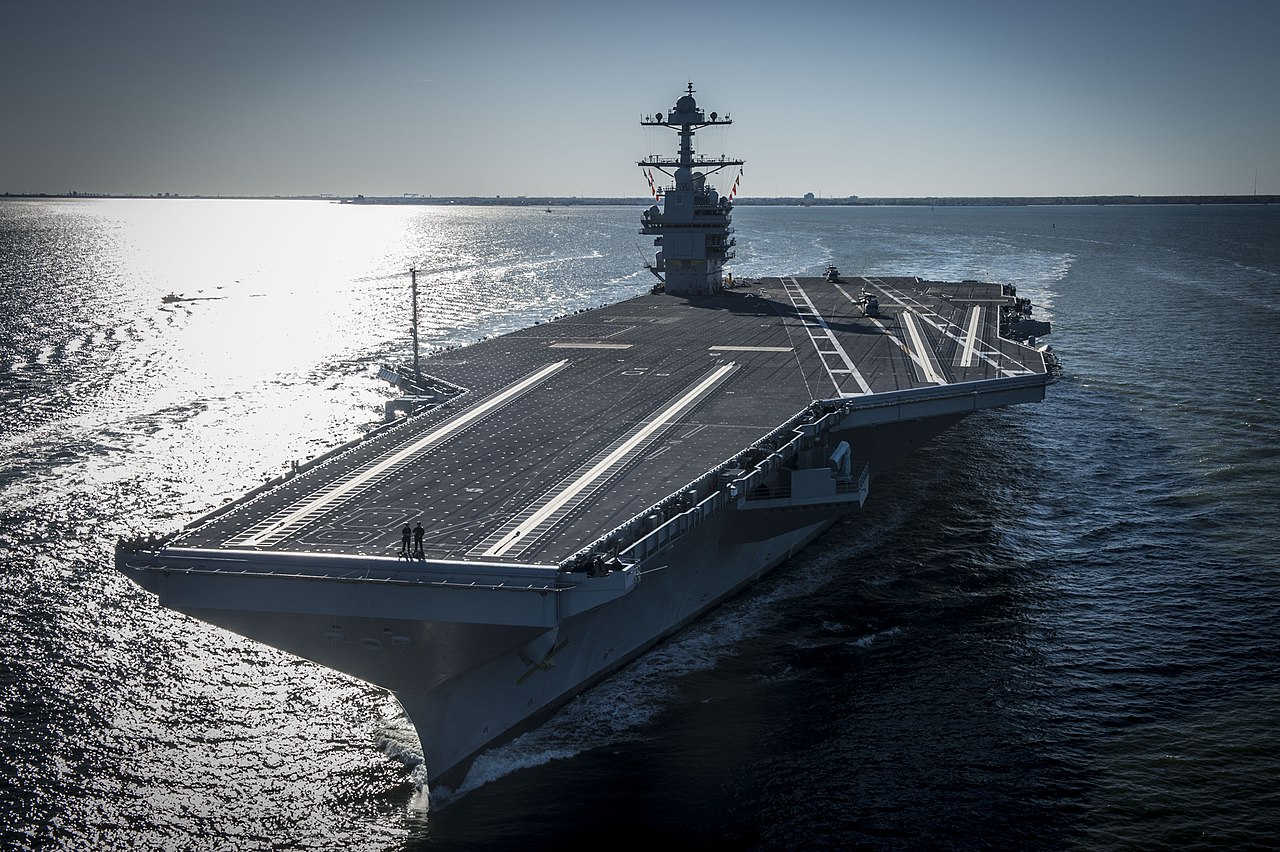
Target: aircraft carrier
{"type": "Point", "coordinates": [588, 486]}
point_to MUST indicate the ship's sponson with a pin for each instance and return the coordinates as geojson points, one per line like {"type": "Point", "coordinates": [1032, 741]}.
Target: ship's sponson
{"type": "Point", "coordinates": [466, 592]}
{"type": "Point", "coordinates": [695, 443]}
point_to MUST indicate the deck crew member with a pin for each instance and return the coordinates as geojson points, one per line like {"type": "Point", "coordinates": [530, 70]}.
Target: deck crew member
{"type": "Point", "coordinates": [418, 533]}
{"type": "Point", "coordinates": [404, 541]}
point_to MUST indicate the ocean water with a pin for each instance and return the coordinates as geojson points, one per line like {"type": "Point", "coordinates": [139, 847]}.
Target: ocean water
{"type": "Point", "coordinates": [1056, 627]}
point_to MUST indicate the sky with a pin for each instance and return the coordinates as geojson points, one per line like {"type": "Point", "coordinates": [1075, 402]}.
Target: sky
{"type": "Point", "coordinates": [484, 98]}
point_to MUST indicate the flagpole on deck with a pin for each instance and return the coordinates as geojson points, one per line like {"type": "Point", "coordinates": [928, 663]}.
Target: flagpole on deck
{"type": "Point", "coordinates": [417, 365]}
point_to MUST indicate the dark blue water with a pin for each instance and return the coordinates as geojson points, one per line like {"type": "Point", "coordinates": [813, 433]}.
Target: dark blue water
{"type": "Point", "coordinates": [1055, 628]}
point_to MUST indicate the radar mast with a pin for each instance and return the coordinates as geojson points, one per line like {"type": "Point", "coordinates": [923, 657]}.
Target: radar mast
{"type": "Point", "coordinates": [691, 232]}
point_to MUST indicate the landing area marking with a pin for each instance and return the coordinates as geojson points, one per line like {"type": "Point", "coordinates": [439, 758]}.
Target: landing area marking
{"type": "Point", "coordinates": [924, 354]}
{"type": "Point", "coordinates": [820, 333]}
{"type": "Point", "coordinates": [283, 522]}
{"type": "Point", "coordinates": [991, 355]}
{"type": "Point", "coordinates": [543, 510]}
{"type": "Point", "coordinates": [971, 334]}
{"type": "Point", "coordinates": [750, 348]}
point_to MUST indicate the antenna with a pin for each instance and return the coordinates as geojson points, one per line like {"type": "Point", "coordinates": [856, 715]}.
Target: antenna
{"type": "Point", "coordinates": [417, 365]}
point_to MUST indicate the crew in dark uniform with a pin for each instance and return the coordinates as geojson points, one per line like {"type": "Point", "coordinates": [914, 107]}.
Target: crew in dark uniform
{"type": "Point", "coordinates": [418, 533]}
{"type": "Point", "coordinates": [404, 541]}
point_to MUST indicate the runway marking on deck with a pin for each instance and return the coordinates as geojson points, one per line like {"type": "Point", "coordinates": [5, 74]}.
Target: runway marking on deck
{"type": "Point", "coordinates": [344, 487]}
{"type": "Point", "coordinates": [825, 335]}
{"type": "Point", "coordinates": [971, 335]}
{"type": "Point", "coordinates": [590, 346]}
{"type": "Point", "coordinates": [970, 345]}
{"type": "Point", "coordinates": [557, 498]}
{"type": "Point", "coordinates": [906, 350]}
{"type": "Point", "coordinates": [990, 355]}
{"type": "Point", "coordinates": [750, 348]}
{"type": "Point", "coordinates": [922, 350]}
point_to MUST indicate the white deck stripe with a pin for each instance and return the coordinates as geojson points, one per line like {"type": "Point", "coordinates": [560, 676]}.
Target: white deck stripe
{"type": "Point", "coordinates": [971, 336]}
{"type": "Point", "coordinates": [346, 486]}
{"type": "Point", "coordinates": [568, 493]}
{"type": "Point", "coordinates": [918, 344]}
{"type": "Point", "coordinates": [906, 350]}
{"type": "Point", "coordinates": [750, 348]}
{"type": "Point", "coordinates": [945, 328]}
{"type": "Point", "coordinates": [922, 363]}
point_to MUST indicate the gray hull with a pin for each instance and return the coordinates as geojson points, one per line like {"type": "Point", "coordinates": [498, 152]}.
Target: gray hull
{"type": "Point", "coordinates": [511, 693]}
{"type": "Point", "coordinates": [476, 663]}
{"type": "Point", "coordinates": [582, 488]}
{"type": "Point", "coordinates": [469, 686]}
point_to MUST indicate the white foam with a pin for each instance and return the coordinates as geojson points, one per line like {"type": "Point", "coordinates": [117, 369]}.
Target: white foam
{"type": "Point", "coordinates": [871, 638]}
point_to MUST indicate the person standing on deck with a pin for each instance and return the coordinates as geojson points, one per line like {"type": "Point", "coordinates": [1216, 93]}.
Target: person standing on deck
{"type": "Point", "coordinates": [404, 541]}
{"type": "Point", "coordinates": [418, 533]}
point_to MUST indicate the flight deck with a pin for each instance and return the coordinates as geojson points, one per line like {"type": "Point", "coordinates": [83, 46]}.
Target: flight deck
{"type": "Point", "coordinates": [590, 485]}
{"type": "Point", "coordinates": [574, 426]}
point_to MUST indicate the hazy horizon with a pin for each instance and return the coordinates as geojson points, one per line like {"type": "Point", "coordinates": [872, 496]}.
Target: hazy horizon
{"type": "Point", "coordinates": [990, 99]}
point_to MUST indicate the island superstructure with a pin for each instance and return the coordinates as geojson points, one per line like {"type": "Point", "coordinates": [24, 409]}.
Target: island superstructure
{"type": "Point", "coordinates": [692, 230]}
{"type": "Point", "coordinates": [590, 485]}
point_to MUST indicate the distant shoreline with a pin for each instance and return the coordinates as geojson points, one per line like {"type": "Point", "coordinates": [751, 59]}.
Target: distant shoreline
{"type": "Point", "coordinates": [549, 202]}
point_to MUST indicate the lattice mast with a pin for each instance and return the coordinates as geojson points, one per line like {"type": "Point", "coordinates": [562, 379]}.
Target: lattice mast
{"type": "Point", "coordinates": [692, 231]}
